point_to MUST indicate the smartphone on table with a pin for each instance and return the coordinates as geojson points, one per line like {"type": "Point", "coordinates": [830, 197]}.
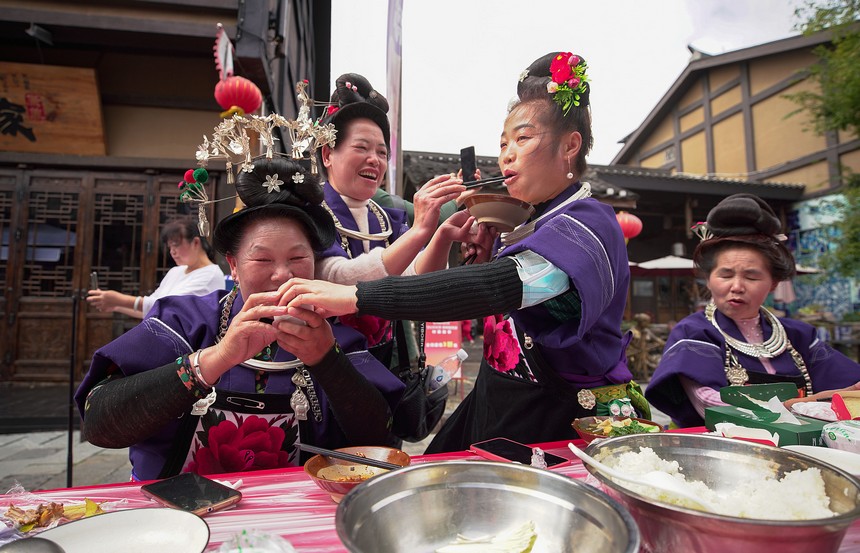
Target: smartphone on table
{"type": "Point", "coordinates": [503, 449]}
{"type": "Point", "coordinates": [468, 163]}
{"type": "Point", "coordinates": [191, 492]}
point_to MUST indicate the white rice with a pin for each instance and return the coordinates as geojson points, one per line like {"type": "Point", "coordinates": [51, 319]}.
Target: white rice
{"type": "Point", "coordinates": [798, 495]}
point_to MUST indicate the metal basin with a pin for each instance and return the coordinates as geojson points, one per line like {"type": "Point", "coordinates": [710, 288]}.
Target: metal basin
{"type": "Point", "coordinates": [722, 463]}
{"type": "Point", "coordinates": [423, 507]}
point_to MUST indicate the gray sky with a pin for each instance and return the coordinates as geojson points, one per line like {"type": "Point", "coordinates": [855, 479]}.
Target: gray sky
{"type": "Point", "coordinates": [461, 58]}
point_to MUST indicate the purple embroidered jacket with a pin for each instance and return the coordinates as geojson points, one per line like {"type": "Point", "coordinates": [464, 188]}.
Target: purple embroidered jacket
{"type": "Point", "coordinates": [696, 350]}
{"type": "Point", "coordinates": [344, 215]}
{"type": "Point", "coordinates": [584, 240]}
{"type": "Point", "coordinates": [179, 325]}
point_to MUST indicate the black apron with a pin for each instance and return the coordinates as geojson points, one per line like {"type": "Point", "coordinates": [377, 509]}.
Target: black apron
{"type": "Point", "coordinates": [508, 406]}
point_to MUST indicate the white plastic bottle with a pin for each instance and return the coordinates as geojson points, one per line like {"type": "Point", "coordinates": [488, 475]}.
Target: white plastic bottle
{"type": "Point", "coordinates": [446, 369]}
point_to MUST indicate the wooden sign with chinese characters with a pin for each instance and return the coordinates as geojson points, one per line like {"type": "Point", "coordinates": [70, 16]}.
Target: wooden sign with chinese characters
{"type": "Point", "coordinates": [50, 109]}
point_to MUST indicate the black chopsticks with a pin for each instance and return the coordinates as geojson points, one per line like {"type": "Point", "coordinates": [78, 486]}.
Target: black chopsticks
{"type": "Point", "coordinates": [348, 457]}
{"type": "Point", "coordinates": [484, 182]}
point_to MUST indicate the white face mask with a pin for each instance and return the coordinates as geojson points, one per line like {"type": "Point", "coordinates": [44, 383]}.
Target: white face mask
{"type": "Point", "coordinates": [541, 279]}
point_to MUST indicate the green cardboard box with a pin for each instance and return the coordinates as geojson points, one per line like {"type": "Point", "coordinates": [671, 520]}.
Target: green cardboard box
{"type": "Point", "coordinates": [807, 433]}
{"type": "Point", "coordinates": [744, 412]}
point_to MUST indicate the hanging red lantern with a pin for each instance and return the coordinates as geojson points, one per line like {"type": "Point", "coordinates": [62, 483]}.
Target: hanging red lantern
{"type": "Point", "coordinates": [630, 224]}
{"type": "Point", "coordinates": [238, 95]}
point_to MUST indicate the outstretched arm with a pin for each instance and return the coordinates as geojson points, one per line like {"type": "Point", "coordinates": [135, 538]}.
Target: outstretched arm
{"type": "Point", "coordinates": [467, 292]}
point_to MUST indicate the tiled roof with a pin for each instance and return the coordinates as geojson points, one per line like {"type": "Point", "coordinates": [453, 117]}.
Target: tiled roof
{"type": "Point", "coordinates": [419, 167]}
{"type": "Point", "coordinates": [670, 175]}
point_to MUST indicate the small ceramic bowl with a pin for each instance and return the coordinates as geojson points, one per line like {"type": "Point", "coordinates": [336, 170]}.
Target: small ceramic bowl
{"type": "Point", "coordinates": [500, 211]}
{"type": "Point", "coordinates": [585, 426]}
{"type": "Point", "coordinates": [337, 477]}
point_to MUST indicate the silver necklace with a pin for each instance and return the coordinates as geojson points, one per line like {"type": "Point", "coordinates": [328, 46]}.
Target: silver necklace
{"type": "Point", "coordinates": [736, 374]}
{"type": "Point", "coordinates": [304, 397]}
{"type": "Point", "coordinates": [299, 401]}
{"type": "Point", "coordinates": [345, 233]}
{"type": "Point", "coordinates": [770, 348]}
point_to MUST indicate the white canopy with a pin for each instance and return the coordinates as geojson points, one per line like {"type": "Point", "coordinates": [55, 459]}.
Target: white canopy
{"type": "Point", "coordinates": [668, 262]}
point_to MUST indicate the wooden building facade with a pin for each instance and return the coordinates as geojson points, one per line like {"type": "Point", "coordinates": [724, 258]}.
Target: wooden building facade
{"type": "Point", "coordinates": [103, 106]}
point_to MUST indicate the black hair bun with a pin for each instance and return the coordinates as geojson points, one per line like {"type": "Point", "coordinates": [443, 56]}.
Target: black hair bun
{"type": "Point", "coordinates": [290, 181]}
{"type": "Point", "coordinates": [538, 76]}
{"type": "Point", "coordinates": [355, 98]}
{"type": "Point", "coordinates": [743, 214]}
{"type": "Point", "coordinates": [351, 88]}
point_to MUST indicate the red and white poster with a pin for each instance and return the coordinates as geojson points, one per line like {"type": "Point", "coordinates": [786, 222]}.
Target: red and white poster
{"type": "Point", "coordinates": [442, 340]}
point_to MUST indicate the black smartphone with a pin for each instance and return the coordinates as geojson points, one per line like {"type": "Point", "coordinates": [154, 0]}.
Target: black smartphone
{"type": "Point", "coordinates": [468, 163]}
{"type": "Point", "coordinates": [503, 449]}
{"type": "Point", "coordinates": [191, 492]}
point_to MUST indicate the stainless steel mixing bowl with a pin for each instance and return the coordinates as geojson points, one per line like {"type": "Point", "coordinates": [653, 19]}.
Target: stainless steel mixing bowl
{"type": "Point", "coordinates": [423, 507]}
{"type": "Point", "coordinates": [721, 463]}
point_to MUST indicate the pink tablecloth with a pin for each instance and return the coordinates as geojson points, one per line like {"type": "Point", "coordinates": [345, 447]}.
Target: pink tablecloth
{"type": "Point", "coordinates": [288, 503]}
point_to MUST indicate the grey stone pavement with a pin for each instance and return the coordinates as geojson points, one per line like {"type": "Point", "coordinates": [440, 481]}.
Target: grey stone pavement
{"type": "Point", "coordinates": [34, 450]}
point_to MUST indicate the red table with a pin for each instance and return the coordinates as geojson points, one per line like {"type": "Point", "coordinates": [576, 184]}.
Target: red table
{"type": "Point", "coordinates": [288, 503]}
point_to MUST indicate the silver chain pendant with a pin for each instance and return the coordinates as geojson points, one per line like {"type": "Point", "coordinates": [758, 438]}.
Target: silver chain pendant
{"type": "Point", "coordinates": [299, 401]}
{"type": "Point", "coordinates": [299, 404]}
{"type": "Point", "coordinates": [201, 406]}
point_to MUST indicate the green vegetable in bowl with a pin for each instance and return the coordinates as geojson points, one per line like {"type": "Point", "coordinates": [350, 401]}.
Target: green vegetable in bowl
{"type": "Point", "coordinates": [610, 428]}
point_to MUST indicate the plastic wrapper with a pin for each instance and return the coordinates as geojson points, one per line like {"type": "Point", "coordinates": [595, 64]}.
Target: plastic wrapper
{"type": "Point", "coordinates": [844, 435]}
{"type": "Point", "coordinates": [251, 541]}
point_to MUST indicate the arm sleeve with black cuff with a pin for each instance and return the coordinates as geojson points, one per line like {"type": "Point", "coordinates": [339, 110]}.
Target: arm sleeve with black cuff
{"type": "Point", "coordinates": [124, 410]}
{"type": "Point", "coordinates": [456, 294]}
{"type": "Point", "coordinates": [358, 406]}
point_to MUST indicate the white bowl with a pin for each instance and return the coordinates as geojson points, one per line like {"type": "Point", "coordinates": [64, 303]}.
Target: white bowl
{"type": "Point", "coordinates": [500, 211]}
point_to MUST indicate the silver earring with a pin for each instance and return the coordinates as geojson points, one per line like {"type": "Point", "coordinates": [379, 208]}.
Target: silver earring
{"type": "Point", "coordinates": [569, 172]}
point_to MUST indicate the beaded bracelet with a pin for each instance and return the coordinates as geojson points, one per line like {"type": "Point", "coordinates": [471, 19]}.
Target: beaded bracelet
{"type": "Point", "coordinates": [188, 379]}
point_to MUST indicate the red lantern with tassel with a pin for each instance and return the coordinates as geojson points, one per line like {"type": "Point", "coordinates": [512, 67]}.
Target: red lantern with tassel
{"type": "Point", "coordinates": [238, 95]}
{"type": "Point", "coordinates": [630, 224]}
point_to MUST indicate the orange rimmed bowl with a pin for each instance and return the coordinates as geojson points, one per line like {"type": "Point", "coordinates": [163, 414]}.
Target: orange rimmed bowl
{"type": "Point", "coordinates": [587, 427]}
{"type": "Point", "coordinates": [500, 211]}
{"type": "Point", "coordinates": [337, 477]}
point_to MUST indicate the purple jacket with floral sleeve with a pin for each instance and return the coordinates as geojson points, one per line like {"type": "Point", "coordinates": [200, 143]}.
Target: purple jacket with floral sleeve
{"type": "Point", "coordinates": [179, 325]}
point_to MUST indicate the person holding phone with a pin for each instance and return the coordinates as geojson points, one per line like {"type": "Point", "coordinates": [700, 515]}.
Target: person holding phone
{"type": "Point", "coordinates": [374, 241]}
{"type": "Point", "coordinates": [221, 383]}
{"type": "Point", "coordinates": [195, 272]}
{"type": "Point", "coordinates": [553, 291]}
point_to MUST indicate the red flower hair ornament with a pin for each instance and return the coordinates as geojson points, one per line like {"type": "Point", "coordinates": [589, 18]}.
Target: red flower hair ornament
{"type": "Point", "coordinates": [567, 80]}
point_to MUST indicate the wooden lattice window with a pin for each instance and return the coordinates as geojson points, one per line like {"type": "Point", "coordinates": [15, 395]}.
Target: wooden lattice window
{"type": "Point", "coordinates": [117, 237]}
{"type": "Point", "coordinates": [52, 226]}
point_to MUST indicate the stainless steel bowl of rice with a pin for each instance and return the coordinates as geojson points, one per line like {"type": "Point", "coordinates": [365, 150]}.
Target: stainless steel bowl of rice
{"type": "Point", "coordinates": [440, 507]}
{"type": "Point", "coordinates": [778, 500]}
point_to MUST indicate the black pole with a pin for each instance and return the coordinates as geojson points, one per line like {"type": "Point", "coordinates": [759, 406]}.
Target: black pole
{"type": "Point", "coordinates": [73, 361]}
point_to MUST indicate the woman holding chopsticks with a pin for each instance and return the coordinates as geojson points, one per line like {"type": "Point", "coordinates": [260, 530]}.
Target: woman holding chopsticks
{"type": "Point", "coordinates": [560, 278]}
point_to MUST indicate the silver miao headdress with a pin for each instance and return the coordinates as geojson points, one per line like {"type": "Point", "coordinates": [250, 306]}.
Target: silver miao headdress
{"type": "Point", "coordinates": [231, 142]}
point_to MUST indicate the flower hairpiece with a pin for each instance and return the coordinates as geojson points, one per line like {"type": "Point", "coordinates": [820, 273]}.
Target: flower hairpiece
{"type": "Point", "coordinates": [272, 183]}
{"type": "Point", "coordinates": [702, 230]}
{"type": "Point", "coordinates": [567, 80]}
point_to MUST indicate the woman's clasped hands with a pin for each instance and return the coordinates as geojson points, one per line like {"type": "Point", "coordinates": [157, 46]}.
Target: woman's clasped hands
{"type": "Point", "coordinates": [304, 333]}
